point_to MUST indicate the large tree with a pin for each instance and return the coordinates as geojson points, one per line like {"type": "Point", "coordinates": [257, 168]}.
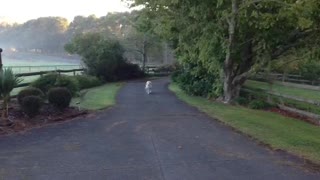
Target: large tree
{"type": "Point", "coordinates": [237, 36]}
{"type": "Point", "coordinates": [143, 46]}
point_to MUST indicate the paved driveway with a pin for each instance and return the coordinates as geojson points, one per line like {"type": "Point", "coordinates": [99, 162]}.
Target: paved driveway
{"type": "Point", "coordinates": [143, 137]}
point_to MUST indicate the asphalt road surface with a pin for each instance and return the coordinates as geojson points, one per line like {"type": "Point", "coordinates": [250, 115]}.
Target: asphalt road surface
{"type": "Point", "coordinates": [144, 137]}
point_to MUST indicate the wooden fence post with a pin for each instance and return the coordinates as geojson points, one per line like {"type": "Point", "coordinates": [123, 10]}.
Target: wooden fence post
{"type": "Point", "coordinates": [1, 59]}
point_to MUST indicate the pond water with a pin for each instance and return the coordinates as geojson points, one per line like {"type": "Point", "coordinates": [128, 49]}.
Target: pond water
{"type": "Point", "coordinates": [26, 62]}
{"type": "Point", "coordinates": [25, 59]}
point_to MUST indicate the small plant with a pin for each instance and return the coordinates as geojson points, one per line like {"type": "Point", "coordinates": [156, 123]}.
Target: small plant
{"type": "Point", "coordinates": [31, 105]}
{"type": "Point", "coordinates": [30, 91]}
{"type": "Point", "coordinates": [7, 82]}
{"type": "Point", "coordinates": [60, 97]}
{"type": "Point", "coordinates": [258, 104]}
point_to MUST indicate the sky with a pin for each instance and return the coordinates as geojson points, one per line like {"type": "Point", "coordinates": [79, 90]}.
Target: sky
{"type": "Point", "coordinates": [23, 10]}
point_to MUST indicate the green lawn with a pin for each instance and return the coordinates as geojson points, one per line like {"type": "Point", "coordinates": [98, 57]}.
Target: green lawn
{"type": "Point", "coordinates": [279, 132]}
{"type": "Point", "coordinates": [298, 92]}
{"type": "Point", "coordinates": [99, 97]}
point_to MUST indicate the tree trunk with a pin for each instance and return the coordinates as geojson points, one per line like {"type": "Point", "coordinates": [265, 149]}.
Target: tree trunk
{"type": "Point", "coordinates": [4, 117]}
{"type": "Point", "coordinates": [231, 89]}
{"type": "Point", "coordinates": [5, 106]}
{"type": "Point", "coordinates": [144, 61]}
{"type": "Point", "coordinates": [144, 54]}
{"type": "Point", "coordinates": [165, 53]}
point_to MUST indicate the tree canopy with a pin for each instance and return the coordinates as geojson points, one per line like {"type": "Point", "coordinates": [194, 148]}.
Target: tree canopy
{"type": "Point", "coordinates": [234, 38]}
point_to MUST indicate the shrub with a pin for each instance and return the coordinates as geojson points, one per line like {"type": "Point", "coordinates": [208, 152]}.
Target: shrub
{"type": "Point", "coordinates": [45, 82]}
{"type": "Point", "coordinates": [51, 80]}
{"type": "Point", "coordinates": [30, 91]}
{"type": "Point", "coordinates": [258, 104]}
{"type": "Point", "coordinates": [60, 97]}
{"type": "Point", "coordinates": [242, 101]}
{"type": "Point", "coordinates": [31, 105]}
{"type": "Point", "coordinates": [167, 68]}
{"type": "Point", "coordinates": [127, 70]}
{"type": "Point", "coordinates": [87, 81]}
{"type": "Point", "coordinates": [310, 71]}
{"type": "Point", "coordinates": [103, 57]}
{"type": "Point", "coordinates": [68, 82]}
{"type": "Point", "coordinates": [198, 81]}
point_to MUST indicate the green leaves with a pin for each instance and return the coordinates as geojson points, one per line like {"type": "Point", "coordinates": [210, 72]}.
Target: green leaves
{"type": "Point", "coordinates": [304, 23]}
{"type": "Point", "coordinates": [260, 31]}
{"type": "Point", "coordinates": [103, 57]}
{"type": "Point", "coordinates": [8, 81]}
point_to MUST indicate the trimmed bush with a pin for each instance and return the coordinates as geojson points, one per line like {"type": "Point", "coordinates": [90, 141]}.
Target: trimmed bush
{"type": "Point", "coordinates": [31, 105]}
{"type": "Point", "coordinates": [60, 97]}
{"type": "Point", "coordinates": [45, 82]}
{"type": "Point", "coordinates": [87, 81]}
{"type": "Point", "coordinates": [29, 91]}
{"type": "Point", "coordinates": [51, 80]}
{"type": "Point", "coordinates": [68, 82]}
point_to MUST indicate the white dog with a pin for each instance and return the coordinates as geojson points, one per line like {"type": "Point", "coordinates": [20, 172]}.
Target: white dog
{"type": "Point", "coordinates": [148, 87]}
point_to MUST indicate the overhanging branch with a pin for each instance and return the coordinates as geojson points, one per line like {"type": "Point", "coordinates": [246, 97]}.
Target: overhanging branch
{"type": "Point", "coordinates": [294, 40]}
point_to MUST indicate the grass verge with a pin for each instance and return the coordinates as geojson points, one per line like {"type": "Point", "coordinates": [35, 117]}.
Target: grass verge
{"type": "Point", "coordinates": [298, 92]}
{"type": "Point", "coordinates": [291, 135]}
{"type": "Point", "coordinates": [260, 94]}
{"type": "Point", "coordinates": [99, 97]}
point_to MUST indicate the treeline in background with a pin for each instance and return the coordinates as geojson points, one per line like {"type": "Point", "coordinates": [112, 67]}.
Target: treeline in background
{"type": "Point", "coordinates": [49, 35]}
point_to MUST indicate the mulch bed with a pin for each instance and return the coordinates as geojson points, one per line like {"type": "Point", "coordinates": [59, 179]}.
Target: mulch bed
{"type": "Point", "coordinates": [293, 115]}
{"type": "Point", "coordinates": [48, 115]}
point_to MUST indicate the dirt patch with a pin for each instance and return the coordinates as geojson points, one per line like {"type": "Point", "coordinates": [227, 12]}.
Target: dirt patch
{"type": "Point", "coordinates": [293, 115]}
{"type": "Point", "coordinates": [48, 115]}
